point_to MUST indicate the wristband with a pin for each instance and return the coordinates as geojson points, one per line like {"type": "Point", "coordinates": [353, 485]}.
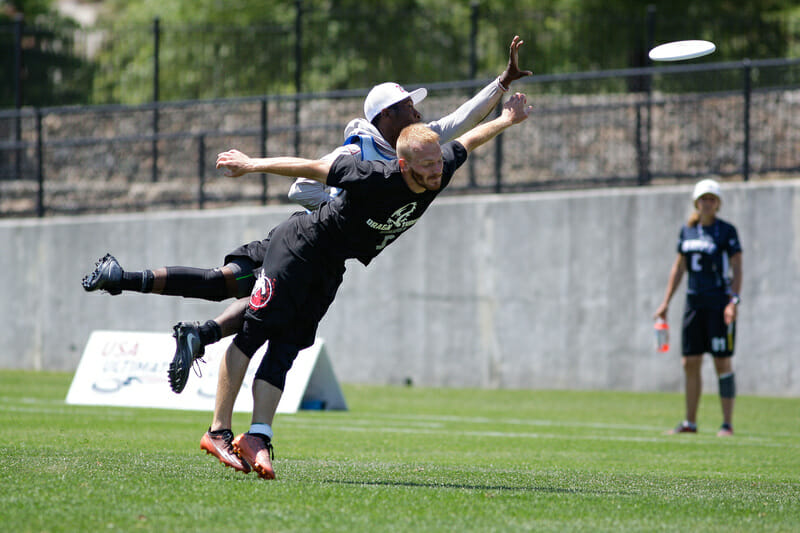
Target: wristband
{"type": "Point", "coordinates": [500, 84]}
{"type": "Point", "coordinates": [735, 299]}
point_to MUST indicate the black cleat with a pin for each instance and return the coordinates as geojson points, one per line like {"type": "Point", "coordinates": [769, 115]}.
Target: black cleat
{"type": "Point", "coordinates": [107, 276]}
{"type": "Point", "coordinates": [188, 349]}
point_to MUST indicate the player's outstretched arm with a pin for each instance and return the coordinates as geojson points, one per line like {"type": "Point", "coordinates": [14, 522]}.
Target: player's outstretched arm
{"type": "Point", "coordinates": [238, 164]}
{"type": "Point", "coordinates": [512, 71]}
{"type": "Point", "coordinates": [515, 110]}
{"type": "Point", "coordinates": [473, 111]}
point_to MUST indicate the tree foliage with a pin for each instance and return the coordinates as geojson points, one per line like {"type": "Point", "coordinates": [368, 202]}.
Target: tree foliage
{"type": "Point", "coordinates": [50, 72]}
{"type": "Point", "coordinates": [217, 48]}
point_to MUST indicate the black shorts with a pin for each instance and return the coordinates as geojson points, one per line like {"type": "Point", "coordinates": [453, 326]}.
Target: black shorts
{"type": "Point", "coordinates": [252, 252]}
{"type": "Point", "coordinates": [250, 257]}
{"type": "Point", "coordinates": [292, 293]}
{"type": "Point", "coordinates": [255, 250]}
{"type": "Point", "coordinates": [705, 331]}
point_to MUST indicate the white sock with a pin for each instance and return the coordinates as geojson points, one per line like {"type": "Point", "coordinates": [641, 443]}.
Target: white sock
{"type": "Point", "coordinates": [264, 429]}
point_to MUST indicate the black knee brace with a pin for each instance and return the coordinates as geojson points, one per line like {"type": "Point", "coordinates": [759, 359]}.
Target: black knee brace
{"type": "Point", "coordinates": [727, 386]}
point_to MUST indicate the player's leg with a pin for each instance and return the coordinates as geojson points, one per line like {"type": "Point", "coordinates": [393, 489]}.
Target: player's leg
{"type": "Point", "coordinates": [232, 370]}
{"type": "Point", "coordinates": [727, 393]}
{"type": "Point", "coordinates": [233, 280]}
{"type": "Point", "coordinates": [232, 318]}
{"type": "Point", "coordinates": [255, 446]}
{"type": "Point", "coordinates": [191, 339]}
{"type": "Point", "coordinates": [692, 366]}
{"type": "Point", "coordinates": [218, 440]}
{"type": "Point", "coordinates": [282, 299]}
{"type": "Point", "coordinates": [316, 288]}
{"type": "Point", "coordinates": [693, 344]}
{"type": "Point", "coordinates": [722, 345]}
{"type": "Point", "coordinates": [216, 284]}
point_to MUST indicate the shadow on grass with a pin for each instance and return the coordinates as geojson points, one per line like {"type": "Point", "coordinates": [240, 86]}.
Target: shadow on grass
{"type": "Point", "coordinates": [478, 487]}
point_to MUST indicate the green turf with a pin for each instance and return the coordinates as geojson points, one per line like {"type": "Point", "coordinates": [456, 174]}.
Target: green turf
{"type": "Point", "coordinates": [403, 459]}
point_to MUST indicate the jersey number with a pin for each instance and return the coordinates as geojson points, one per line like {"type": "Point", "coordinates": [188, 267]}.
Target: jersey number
{"type": "Point", "coordinates": [696, 266]}
{"type": "Point", "coordinates": [718, 344]}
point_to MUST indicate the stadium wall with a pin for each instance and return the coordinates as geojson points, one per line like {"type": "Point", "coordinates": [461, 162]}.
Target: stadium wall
{"type": "Point", "coordinates": [542, 290]}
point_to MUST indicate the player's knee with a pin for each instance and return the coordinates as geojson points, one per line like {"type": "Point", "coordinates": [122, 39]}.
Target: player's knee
{"type": "Point", "coordinates": [276, 364]}
{"type": "Point", "coordinates": [248, 344]}
{"type": "Point", "coordinates": [239, 277]}
{"type": "Point", "coordinates": [692, 363]}
{"type": "Point", "coordinates": [216, 285]}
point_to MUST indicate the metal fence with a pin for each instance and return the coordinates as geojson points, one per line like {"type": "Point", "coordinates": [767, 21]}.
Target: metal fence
{"type": "Point", "coordinates": [738, 120]}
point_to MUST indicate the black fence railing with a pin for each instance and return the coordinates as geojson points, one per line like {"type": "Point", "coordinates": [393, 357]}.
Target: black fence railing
{"type": "Point", "coordinates": [737, 120]}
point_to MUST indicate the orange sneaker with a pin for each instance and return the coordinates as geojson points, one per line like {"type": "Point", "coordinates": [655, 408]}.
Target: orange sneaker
{"type": "Point", "coordinates": [219, 445]}
{"type": "Point", "coordinates": [726, 430]}
{"type": "Point", "coordinates": [256, 449]}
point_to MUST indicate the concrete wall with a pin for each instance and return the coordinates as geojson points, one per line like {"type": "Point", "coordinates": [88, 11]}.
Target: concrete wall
{"type": "Point", "coordinates": [545, 290]}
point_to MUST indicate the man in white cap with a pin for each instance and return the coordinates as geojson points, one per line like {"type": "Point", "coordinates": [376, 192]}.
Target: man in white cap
{"type": "Point", "coordinates": [389, 108]}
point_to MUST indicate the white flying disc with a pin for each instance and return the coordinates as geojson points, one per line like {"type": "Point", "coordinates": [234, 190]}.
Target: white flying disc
{"type": "Point", "coordinates": [680, 50]}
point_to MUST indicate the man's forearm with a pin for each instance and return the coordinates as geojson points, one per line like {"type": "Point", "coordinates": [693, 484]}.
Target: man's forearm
{"type": "Point", "coordinates": [469, 114]}
{"type": "Point", "coordinates": [293, 167]}
{"type": "Point", "coordinates": [237, 163]}
{"type": "Point", "coordinates": [485, 132]}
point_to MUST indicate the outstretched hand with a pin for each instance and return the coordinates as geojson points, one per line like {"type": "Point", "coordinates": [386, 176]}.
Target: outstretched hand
{"type": "Point", "coordinates": [234, 162]}
{"type": "Point", "coordinates": [512, 71]}
{"type": "Point", "coordinates": [516, 108]}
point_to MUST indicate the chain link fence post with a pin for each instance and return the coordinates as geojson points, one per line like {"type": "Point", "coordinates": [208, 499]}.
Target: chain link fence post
{"type": "Point", "coordinates": [156, 46]}
{"type": "Point", "coordinates": [746, 70]}
{"type": "Point", "coordinates": [39, 164]}
{"type": "Point", "coordinates": [18, 28]}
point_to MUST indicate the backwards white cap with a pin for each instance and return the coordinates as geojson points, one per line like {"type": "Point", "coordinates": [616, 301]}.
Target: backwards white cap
{"type": "Point", "coordinates": [707, 187]}
{"type": "Point", "coordinates": [387, 94]}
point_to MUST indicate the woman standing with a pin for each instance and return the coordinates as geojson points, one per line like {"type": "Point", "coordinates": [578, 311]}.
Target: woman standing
{"type": "Point", "coordinates": [709, 250]}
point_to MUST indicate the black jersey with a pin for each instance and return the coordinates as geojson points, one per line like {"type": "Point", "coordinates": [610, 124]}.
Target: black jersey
{"type": "Point", "coordinates": [707, 250]}
{"type": "Point", "coordinates": [376, 207]}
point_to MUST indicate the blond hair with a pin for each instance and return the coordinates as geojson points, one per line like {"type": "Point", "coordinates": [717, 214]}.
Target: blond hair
{"type": "Point", "coordinates": [413, 138]}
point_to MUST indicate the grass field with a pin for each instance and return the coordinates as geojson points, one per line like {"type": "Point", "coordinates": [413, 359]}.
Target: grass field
{"type": "Point", "coordinates": [403, 459]}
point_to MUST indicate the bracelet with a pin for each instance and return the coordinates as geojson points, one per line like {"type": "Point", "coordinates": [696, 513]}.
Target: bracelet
{"type": "Point", "coordinates": [735, 299]}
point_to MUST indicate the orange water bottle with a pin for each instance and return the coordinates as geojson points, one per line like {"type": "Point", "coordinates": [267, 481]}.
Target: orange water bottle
{"type": "Point", "coordinates": [662, 335]}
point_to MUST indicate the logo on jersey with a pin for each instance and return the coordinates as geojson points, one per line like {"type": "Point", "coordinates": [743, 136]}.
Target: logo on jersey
{"type": "Point", "coordinates": [262, 291]}
{"type": "Point", "coordinates": [398, 220]}
{"type": "Point", "coordinates": [701, 245]}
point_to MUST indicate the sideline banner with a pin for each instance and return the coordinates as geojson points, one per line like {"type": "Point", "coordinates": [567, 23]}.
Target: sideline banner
{"type": "Point", "coordinates": [129, 368]}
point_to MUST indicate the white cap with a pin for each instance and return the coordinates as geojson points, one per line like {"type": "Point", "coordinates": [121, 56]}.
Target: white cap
{"type": "Point", "coordinates": [387, 94]}
{"type": "Point", "coordinates": [707, 187]}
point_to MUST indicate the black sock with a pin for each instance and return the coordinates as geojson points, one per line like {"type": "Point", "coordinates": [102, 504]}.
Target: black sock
{"type": "Point", "coordinates": [137, 281]}
{"type": "Point", "coordinates": [210, 332]}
